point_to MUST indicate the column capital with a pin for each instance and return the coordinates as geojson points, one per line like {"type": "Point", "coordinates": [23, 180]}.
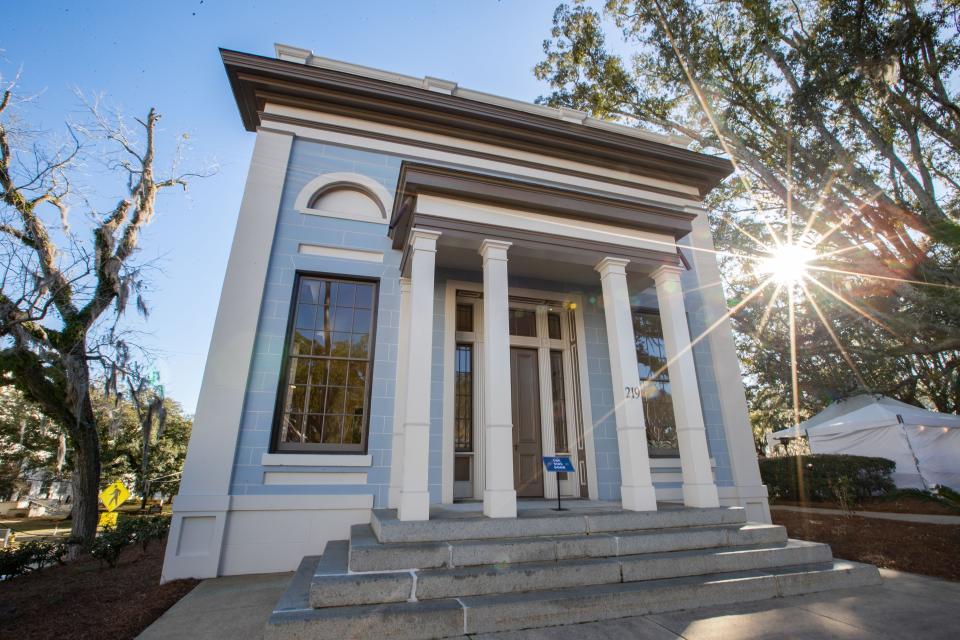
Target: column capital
{"type": "Point", "coordinates": [404, 283]}
{"type": "Point", "coordinates": [494, 249]}
{"type": "Point", "coordinates": [667, 273]}
{"type": "Point", "coordinates": [423, 239]}
{"type": "Point", "coordinates": [612, 265]}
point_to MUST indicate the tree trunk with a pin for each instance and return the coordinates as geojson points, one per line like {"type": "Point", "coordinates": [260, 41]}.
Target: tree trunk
{"type": "Point", "coordinates": [86, 485]}
{"type": "Point", "coordinates": [86, 452]}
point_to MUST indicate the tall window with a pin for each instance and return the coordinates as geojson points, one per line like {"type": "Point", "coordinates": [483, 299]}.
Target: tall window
{"type": "Point", "coordinates": [559, 402]}
{"type": "Point", "coordinates": [326, 382]}
{"type": "Point", "coordinates": [652, 365]}
{"type": "Point", "coordinates": [463, 398]}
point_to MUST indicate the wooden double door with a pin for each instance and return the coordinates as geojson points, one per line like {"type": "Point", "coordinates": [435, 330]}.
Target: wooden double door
{"type": "Point", "coordinates": [527, 434]}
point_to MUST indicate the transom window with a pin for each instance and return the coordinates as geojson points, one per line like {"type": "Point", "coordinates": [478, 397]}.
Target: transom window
{"type": "Point", "coordinates": [326, 382]}
{"type": "Point", "coordinates": [652, 366]}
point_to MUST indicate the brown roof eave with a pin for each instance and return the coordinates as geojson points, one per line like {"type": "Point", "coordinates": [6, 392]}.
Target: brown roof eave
{"type": "Point", "coordinates": [253, 77]}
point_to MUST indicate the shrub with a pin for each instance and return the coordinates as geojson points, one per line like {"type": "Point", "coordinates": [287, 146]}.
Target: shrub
{"type": "Point", "coordinates": [30, 556]}
{"type": "Point", "coordinates": [823, 477]}
{"type": "Point", "coordinates": [111, 542]}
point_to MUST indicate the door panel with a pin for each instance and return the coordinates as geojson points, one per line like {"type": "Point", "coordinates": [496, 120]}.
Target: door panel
{"type": "Point", "coordinates": [527, 449]}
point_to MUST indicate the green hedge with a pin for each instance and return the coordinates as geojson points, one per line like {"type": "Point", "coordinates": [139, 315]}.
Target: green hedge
{"type": "Point", "coordinates": [821, 476]}
{"type": "Point", "coordinates": [30, 556]}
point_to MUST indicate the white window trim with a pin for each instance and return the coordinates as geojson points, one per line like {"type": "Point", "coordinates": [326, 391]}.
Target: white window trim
{"type": "Point", "coordinates": [346, 180]}
{"type": "Point", "coordinates": [315, 460]}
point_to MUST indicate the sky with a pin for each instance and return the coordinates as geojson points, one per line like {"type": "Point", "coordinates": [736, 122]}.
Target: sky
{"type": "Point", "coordinates": [140, 54]}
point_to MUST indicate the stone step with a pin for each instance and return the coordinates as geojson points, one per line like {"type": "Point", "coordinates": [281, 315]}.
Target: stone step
{"type": "Point", "coordinates": [474, 526]}
{"type": "Point", "coordinates": [341, 588]}
{"type": "Point", "coordinates": [294, 620]}
{"type": "Point", "coordinates": [369, 554]}
{"type": "Point", "coordinates": [536, 576]}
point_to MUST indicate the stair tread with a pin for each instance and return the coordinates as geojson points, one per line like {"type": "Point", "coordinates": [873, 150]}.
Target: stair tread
{"type": "Point", "coordinates": [511, 611]}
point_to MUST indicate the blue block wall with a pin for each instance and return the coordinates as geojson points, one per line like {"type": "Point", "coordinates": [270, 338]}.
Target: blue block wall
{"type": "Point", "coordinates": [310, 159]}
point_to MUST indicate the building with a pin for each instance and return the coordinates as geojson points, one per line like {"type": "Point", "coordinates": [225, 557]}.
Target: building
{"type": "Point", "coordinates": [429, 289]}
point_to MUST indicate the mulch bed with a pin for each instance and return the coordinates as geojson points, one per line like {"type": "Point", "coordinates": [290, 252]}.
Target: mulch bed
{"type": "Point", "coordinates": [891, 504]}
{"type": "Point", "coordinates": [930, 549]}
{"type": "Point", "coordinates": [85, 600]}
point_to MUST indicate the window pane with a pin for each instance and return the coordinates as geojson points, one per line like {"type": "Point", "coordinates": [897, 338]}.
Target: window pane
{"type": "Point", "coordinates": [559, 402]}
{"type": "Point", "coordinates": [306, 316]}
{"type": "Point", "coordinates": [357, 376]}
{"type": "Point", "coordinates": [290, 431]}
{"type": "Point", "coordinates": [464, 317]}
{"type": "Point", "coordinates": [326, 380]}
{"type": "Point", "coordinates": [364, 293]}
{"type": "Point", "coordinates": [360, 345]}
{"type": "Point", "coordinates": [332, 429]}
{"type": "Point", "coordinates": [463, 398]}
{"type": "Point", "coordinates": [340, 344]}
{"type": "Point", "coordinates": [343, 319]}
{"type": "Point", "coordinates": [344, 294]}
{"type": "Point", "coordinates": [313, 428]}
{"type": "Point", "coordinates": [353, 429]}
{"type": "Point", "coordinates": [315, 401]}
{"type": "Point", "coordinates": [652, 366]}
{"type": "Point", "coordinates": [651, 353]}
{"type": "Point", "coordinates": [312, 291]}
{"type": "Point", "coordinates": [523, 322]}
{"type": "Point", "coordinates": [354, 401]}
{"type": "Point", "coordinates": [361, 320]}
{"type": "Point", "coordinates": [553, 325]}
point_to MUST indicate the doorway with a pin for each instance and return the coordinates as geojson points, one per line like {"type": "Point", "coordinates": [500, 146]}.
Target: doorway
{"type": "Point", "coordinates": [527, 438]}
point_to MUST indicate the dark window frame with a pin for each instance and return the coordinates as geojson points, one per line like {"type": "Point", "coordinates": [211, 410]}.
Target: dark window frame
{"type": "Point", "coordinates": [319, 448]}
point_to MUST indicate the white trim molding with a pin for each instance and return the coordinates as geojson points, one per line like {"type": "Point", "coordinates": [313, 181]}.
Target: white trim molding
{"type": "Point", "coordinates": [345, 180]}
{"type": "Point", "coordinates": [315, 460]}
{"type": "Point", "coordinates": [339, 253]}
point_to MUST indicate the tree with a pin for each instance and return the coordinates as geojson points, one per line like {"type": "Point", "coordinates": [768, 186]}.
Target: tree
{"type": "Point", "coordinates": [29, 442]}
{"type": "Point", "coordinates": [61, 296]}
{"type": "Point", "coordinates": [843, 123]}
{"type": "Point", "coordinates": [122, 437]}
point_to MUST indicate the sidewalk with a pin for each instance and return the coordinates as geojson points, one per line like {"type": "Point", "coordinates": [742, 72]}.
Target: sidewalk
{"type": "Point", "coordinates": [882, 515]}
{"type": "Point", "coordinates": [904, 606]}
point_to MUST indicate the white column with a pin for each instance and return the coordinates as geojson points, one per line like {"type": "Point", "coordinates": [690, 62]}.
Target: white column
{"type": "Point", "coordinates": [748, 490]}
{"type": "Point", "coordinates": [200, 508]}
{"type": "Point", "coordinates": [414, 497]}
{"type": "Point", "coordinates": [636, 488]}
{"type": "Point", "coordinates": [499, 496]}
{"type": "Point", "coordinates": [699, 489]}
{"type": "Point", "coordinates": [400, 397]}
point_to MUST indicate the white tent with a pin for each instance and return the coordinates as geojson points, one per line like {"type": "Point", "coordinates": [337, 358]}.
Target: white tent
{"type": "Point", "coordinates": [924, 444]}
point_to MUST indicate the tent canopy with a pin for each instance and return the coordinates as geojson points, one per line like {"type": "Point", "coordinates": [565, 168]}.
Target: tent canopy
{"type": "Point", "coordinates": [924, 444]}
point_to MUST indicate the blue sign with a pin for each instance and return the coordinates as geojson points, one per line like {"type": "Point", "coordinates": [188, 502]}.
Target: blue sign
{"type": "Point", "coordinates": [558, 464]}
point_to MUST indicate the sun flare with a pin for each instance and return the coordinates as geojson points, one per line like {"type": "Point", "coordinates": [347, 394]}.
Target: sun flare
{"type": "Point", "coordinates": [788, 264]}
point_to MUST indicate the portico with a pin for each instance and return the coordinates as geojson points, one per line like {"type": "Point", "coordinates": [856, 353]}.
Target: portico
{"type": "Point", "coordinates": [471, 222]}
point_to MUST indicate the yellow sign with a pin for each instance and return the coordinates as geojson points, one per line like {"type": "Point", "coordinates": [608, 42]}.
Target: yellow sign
{"type": "Point", "coordinates": [108, 519]}
{"type": "Point", "coordinates": [114, 495]}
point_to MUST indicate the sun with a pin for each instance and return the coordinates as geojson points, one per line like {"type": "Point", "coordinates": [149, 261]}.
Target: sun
{"type": "Point", "coordinates": [787, 264]}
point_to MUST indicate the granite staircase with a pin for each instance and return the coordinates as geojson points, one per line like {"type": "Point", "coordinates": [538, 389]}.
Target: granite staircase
{"type": "Point", "coordinates": [463, 574]}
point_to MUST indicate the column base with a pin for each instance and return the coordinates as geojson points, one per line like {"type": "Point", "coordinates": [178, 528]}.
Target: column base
{"type": "Point", "coordinates": [701, 496]}
{"type": "Point", "coordinates": [500, 503]}
{"type": "Point", "coordinates": [393, 498]}
{"type": "Point", "coordinates": [638, 498]}
{"type": "Point", "coordinates": [414, 505]}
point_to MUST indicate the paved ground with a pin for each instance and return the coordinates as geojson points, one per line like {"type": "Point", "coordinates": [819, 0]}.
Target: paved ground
{"type": "Point", "coordinates": [882, 515]}
{"type": "Point", "coordinates": [904, 606]}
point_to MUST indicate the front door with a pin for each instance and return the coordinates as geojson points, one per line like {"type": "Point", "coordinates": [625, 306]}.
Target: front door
{"type": "Point", "coordinates": [527, 449]}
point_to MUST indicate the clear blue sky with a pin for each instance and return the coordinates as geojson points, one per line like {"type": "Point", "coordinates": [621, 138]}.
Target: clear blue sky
{"type": "Point", "coordinates": [164, 54]}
